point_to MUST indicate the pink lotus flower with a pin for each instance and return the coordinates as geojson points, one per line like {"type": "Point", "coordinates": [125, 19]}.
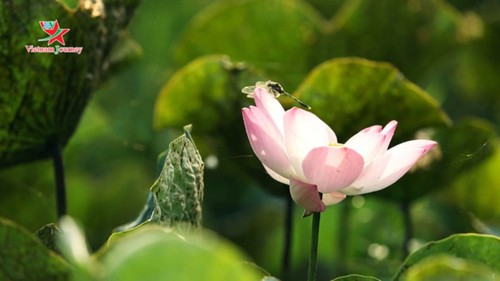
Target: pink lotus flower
{"type": "Point", "coordinates": [299, 149]}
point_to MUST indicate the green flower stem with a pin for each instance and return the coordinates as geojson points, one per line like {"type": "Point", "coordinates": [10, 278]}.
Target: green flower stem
{"type": "Point", "coordinates": [288, 224]}
{"type": "Point", "coordinates": [313, 257]}
{"type": "Point", "coordinates": [408, 227]}
{"type": "Point", "coordinates": [59, 180]}
{"type": "Point", "coordinates": [343, 237]}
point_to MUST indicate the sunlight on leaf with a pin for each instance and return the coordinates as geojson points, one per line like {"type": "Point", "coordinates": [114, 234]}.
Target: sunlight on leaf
{"type": "Point", "coordinates": [154, 253]}
{"type": "Point", "coordinates": [73, 242]}
{"type": "Point", "coordinates": [448, 268]}
{"type": "Point", "coordinates": [483, 249]}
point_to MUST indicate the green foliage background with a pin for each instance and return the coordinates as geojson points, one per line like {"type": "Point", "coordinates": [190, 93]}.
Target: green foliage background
{"type": "Point", "coordinates": [448, 49]}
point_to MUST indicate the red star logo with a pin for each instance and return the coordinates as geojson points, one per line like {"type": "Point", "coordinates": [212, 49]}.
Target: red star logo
{"type": "Point", "coordinates": [56, 33]}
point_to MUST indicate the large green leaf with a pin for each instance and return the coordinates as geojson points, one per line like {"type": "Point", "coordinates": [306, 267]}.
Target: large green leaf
{"type": "Point", "coordinates": [207, 93]}
{"type": "Point", "coordinates": [153, 253]}
{"type": "Point", "coordinates": [24, 257]}
{"type": "Point", "coordinates": [476, 190]}
{"type": "Point", "coordinates": [449, 268]}
{"type": "Point", "coordinates": [477, 248]}
{"type": "Point", "coordinates": [351, 94]}
{"type": "Point", "coordinates": [42, 95]}
{"type": "Point", "coordinates": [277, 36]}
{"type": "Point", "coordinates": [411, 35]}
{"type": "Point", "coordinates": [461, 147]}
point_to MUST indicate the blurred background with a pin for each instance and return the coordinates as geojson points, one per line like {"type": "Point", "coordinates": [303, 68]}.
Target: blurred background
{"type": "Point", "coordinates": [447, 48]}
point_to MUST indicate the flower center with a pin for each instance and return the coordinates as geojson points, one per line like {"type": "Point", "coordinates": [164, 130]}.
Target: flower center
{"type": "Point", "coordinates": [336, 144]}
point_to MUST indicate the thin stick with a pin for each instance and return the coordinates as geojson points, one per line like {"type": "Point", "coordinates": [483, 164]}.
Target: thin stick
{"type": "Point", "coordinates": [59, 180]}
